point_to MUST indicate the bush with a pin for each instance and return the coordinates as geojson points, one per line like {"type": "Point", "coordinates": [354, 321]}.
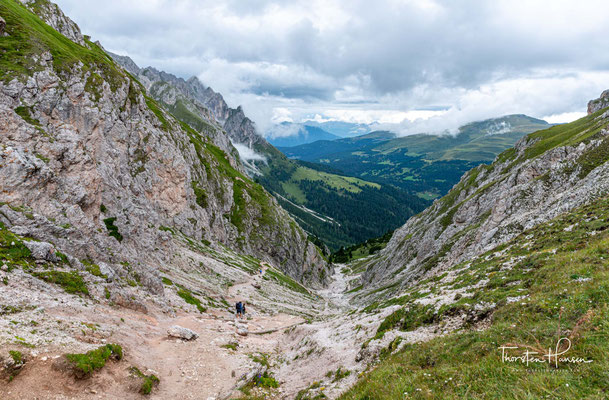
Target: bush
{"type": "Point", "coordinates": [113, 229]}
{"type": "Point", "coordinates": [149, 382]}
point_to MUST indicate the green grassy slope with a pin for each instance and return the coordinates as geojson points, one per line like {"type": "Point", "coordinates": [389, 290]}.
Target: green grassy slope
{"type": "Point", "coordinates": [30, 36]}
{"type": "Point", "coordinates": [548, 283]}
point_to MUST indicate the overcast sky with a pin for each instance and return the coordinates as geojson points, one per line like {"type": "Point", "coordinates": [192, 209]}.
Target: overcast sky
{"type": "Point", "coordinates": [387, 61]}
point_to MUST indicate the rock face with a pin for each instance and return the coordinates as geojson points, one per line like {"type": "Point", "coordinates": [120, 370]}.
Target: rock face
{"type": "Point", "coordinates": [90, 163]}
{"type": "Point", "coordinates": [598, 104]}
{"type": "Point", "coordinates": [2, 26]}
{"type": "Point", "coordinates": [204, 102]}
{"type": "Point", "coordinates": [548, 173]}
{"type": "Point", "coordinates": [53, 16]}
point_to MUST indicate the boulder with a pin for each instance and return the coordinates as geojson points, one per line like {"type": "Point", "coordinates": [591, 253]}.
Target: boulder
{"type": "Point", "coordinates": [126, 299]}
{"type": "Point", "coordinates": [2, 26]}
{"type": "Point", "coordinates": [242, 329]}
{"type": "Point", "coordinates": [182, 333]}
{"type": "Point", "coordinates": [107, 270]}
{"type": "Point", "coordinates": [42, 251]}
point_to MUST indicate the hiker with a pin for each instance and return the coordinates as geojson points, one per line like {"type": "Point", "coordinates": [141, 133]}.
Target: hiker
{"type": "Point", "coordinates": [239, 307]}
{"type": "Point", "coordinates": [242, 309]}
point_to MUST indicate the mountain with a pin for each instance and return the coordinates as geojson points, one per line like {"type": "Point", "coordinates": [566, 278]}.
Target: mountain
{"type": "Point", "coordinates": [94, 165]}
{"type": "Point", "coordinates": [546, 174]}
{"type": "Point", "coordinates": [289, 134]}
{"type": "Point", "coordinates": [428, 165]}
{"type": "Point", "coordinates": [338, 209]}
{"type": "Point", "coordinates": [513, 257]}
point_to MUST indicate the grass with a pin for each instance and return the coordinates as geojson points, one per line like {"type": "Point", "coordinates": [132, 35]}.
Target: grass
{"type": "Point", "coordinates": [285, 280]}
{"type": "Point", "coordinates": [262, 381]}
{"type": "Point", "coordinates": [563, 268]}
{"type": "Point", "coordinates": [191, 299]}
{"type": "Point", "coordinates": [93, 269]}
{"type": "Point", "coordinates": [230, 346]}
{"type": "Point", "coordinates": [149, 382]}
{"type": "Point", "coordinates": [565, 135]}
{"type": "Point", "coordinates": [335, 181]}
{"type": "Point", "coordinates": [71, 282]}
{"type": "Point", "coordinates": [156, 110]}
{"type": "Point", "coordinates": [12, 249]}
{"type": "Point", "coordinates": [30, 36]}
{"type": "Point", "coordinates": [17, 356]}
{"type": "Point", "coordinates": [200, 195]}
{"type": "Point", "coordinates": [85, 364]}
{"type": "Point", "coordinates": [339, 374]}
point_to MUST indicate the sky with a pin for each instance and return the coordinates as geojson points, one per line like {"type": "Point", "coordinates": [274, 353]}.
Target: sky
{"type": "Point", "coordinates": [407, 65]}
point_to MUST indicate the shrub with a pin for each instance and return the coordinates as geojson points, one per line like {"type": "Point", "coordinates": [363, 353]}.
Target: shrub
{"type": "Point", "coordinates": [113, 229]}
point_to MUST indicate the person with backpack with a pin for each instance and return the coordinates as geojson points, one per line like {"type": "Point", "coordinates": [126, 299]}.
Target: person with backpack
{"type": "Point", "coordinates": [239, 307]}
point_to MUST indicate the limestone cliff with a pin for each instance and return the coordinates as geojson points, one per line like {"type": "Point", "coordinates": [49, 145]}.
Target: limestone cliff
{"type": "Point", "coordinates": [92, 164]}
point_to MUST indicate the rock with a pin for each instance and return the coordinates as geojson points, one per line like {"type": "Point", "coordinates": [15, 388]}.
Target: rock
{"type": "Point", "coordinates": [124, 298]}
{"type": "Point", "coordinates": [12, 365]}
{"type": "Point", "coordinates": [182, 333]}
{"type": "Point", "coordinates": [42, 251]}
{"type": "Point", "coordinates": [2, 26]}
{"type": "Point", "coordinates": [599, 104]}
{"type": "Point", "coordinates": [256, 285]}
{"type": "Point", "coordinates": [107, 270]}
{"type": "Point", "coordinates": [242, 330]}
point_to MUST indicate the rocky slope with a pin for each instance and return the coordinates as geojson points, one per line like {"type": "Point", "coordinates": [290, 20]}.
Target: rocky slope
{"type": "Point", "coordinates": [93, 165]}
{"type": "Point", "coordinates": [547, 173]}
{"type": "Point", "coordinates": [197, 105]}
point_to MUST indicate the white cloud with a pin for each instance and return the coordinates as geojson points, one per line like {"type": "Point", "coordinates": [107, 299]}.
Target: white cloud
{"type": "Point", "coordinates": [363, 60]}
{"type": "Point", "coordinates": [564, 118]}
{"type": "Point", "coordinates": [247, 154]}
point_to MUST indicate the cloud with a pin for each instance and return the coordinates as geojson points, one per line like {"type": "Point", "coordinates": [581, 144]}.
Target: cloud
{"type": "Point", "coordinates": [381, 59]}
{"type": "Point", "coordinates": [283, 130]}
{"type": "Point", "coordinates": [247, 154]}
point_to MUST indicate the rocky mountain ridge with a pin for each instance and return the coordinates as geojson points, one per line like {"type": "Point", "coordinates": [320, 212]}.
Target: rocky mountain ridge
{"type": "Point", "coordinates": [200, 101]}
{"type": "Point", "coordinates": [95, 166]}
{"type": "Point", "coordinates": [547, 173]}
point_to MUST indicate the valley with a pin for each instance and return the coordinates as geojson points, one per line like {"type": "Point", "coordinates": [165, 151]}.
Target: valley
{"type": "Point", "coordinates": [422, 164]}
{"type": "Point", "coordinates": [137, 209]}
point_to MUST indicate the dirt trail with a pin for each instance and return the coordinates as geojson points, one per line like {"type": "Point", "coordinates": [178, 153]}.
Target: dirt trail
{"type": "Point", "coordinates": [209, 367]}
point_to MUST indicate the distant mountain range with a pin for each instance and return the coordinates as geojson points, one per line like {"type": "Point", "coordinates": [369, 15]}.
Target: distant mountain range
{"type": "Point", "coordinates": [288, 134]}
{"type": "Point", "coordinates": [428, 165]}
{"type": "Point", "coordinates": [341, 128]}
